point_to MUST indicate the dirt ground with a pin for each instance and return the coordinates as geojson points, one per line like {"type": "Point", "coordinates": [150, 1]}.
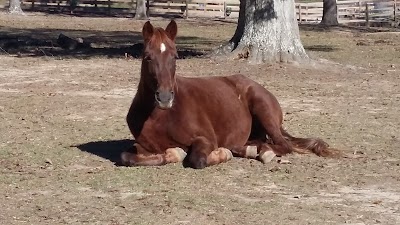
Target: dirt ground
{"type": "Point", "coordinates": [63, 128]}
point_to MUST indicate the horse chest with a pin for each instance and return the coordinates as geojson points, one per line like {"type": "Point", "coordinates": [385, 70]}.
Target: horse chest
{"type": "Point", "coordinates": [156, 134]}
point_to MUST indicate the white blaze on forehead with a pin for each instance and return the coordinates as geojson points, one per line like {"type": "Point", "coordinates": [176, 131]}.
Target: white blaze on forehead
{"type": "Point", "coordinates": [162, 47]}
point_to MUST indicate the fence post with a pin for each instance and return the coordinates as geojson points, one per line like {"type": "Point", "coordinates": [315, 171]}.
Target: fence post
{"type": "Point", "coordinates": [109, 7]}
{"type": "Point", "coordinates": [33, 4]}
{"type": "Point", "coordinates": [299, 12]}
{"type": "Point", "coordinates": [306, 13]}
{"type": "Point", "coordinates": [366, 15]}
{"type": "Point", "coordinates": [224, 9]}
{"type": "Point", "coordinates": [147, 8]}
{"type": "Point", "coordinates": [394, 10]}
{"type": "Point", "coordinates": [187, 9]}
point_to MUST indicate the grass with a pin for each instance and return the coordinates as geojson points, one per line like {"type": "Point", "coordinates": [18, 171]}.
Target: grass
{"type": "Point", "coordinates": [65, 102]}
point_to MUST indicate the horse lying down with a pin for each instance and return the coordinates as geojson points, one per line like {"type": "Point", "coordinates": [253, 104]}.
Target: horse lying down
{"type": "Point", "coordinates": [206, 120]}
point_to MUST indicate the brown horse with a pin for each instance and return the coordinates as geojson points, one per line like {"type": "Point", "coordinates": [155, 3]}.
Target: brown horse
{"type": "Point", "coordinates": [206, 119]}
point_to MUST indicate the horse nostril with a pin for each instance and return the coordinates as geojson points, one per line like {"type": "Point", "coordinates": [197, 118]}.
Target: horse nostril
{"type": "Point", "coordinates": [158, 96]}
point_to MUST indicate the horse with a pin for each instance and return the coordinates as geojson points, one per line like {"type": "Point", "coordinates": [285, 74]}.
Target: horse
{"type": "Point", "coordinates": [203, 121]}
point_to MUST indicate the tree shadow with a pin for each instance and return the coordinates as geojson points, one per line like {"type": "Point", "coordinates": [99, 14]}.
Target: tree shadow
{"type": "Point", "coordinates": [110, 150]}
{"type": "Point", "coordinates": [81, 11]}
{"type": "Point", "coordinates": [320, 48]}
{"type": "Point", "coordinates": [103, 12]}
{"type": "Point", "coordinates": [112, 44]}
{"type": "Point", "coordinates": [350, 28]}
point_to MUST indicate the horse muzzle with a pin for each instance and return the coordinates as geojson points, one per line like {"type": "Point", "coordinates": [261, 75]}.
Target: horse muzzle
{"type": "Point", "coordinates": [164, 99]}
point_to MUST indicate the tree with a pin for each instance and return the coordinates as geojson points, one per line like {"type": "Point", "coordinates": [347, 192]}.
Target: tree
{"type": "Point", "coordinates": [329, 16]}
{"type": "Point", "coordinates": [15, 7]}
{"type": "Point", "coordinates": [141, 10]}
{"type": "Point", "coordinates": [267, 31]}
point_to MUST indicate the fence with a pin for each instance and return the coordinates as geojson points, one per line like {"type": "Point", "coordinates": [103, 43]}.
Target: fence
{"type": "Point", "coordinates": [349, 11]}
{"type": "Point", "coordinates": [196, 8]}
{"type": "Point", "coordinates": [352, 11]}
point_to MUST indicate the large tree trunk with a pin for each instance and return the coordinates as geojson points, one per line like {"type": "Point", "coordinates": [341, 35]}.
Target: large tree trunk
{"type": "Point", "coordinates": [15, 7]}
{"type": "Point", "coordinates": [267, 31]}
{"type": "Point", "coordinates": [141, 10]}
{"type": "Point", "coordinates": [329, 16]}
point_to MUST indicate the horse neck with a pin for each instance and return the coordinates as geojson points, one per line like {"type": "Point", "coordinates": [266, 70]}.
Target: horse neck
{"type": "Point", "coordinates": [145, 94]}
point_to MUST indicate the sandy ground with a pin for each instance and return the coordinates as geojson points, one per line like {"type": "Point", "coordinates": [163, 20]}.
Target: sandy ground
{"type": "Point", "coordinates": [63, 127]}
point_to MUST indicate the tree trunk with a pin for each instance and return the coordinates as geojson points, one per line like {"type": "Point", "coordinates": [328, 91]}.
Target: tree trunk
{"type": "Point", "coordinates": [329, 16]}
{"type": "Point", "coordinates": [141, 10]}
{"type": "Point", "coordinates": [267, 31]}
{"type": "Point", "coordinates": [15, 7]}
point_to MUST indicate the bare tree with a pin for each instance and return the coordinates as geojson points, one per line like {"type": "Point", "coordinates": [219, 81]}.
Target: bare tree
{"type": "Point", "coordinates": [15, 7]}
{"type": "Point", "coordinates": [141, 10]}
{"type": "Point", "coordinates": [267, 31]}
{"type": "Point", "coordinates": [329, 16]}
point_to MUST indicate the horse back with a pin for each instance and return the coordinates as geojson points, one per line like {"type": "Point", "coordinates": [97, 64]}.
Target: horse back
{"type": "Point", "coordinates": [215, 107]}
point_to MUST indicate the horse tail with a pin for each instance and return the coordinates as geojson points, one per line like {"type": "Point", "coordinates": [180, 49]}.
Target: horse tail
{"type": "Point", "coordinates": [311, 145]}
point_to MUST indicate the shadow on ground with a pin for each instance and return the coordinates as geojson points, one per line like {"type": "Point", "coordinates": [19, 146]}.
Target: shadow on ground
{"type": "Point", "coordinates": [320, 48]}
{"type": "Point", "coordinates": [96, 12]}
{"type": "Point", "coordinates": [110, 150]}
{"type": "Point", "coordinates": [111, 44]}
{"type": "Point", "coordinates": [383, 27]}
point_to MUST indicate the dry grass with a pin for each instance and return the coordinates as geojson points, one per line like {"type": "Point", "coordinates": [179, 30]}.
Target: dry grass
{"type": "Point", "coordinates": [64, 125]}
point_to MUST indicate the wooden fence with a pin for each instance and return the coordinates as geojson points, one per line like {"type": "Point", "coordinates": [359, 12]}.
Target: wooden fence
{"type": "Point", "coordinates": [349, 11]}
{"type": "Point", "coordinates": [196, 8]}
{"type": "Point", "coordinates": [352, 11]}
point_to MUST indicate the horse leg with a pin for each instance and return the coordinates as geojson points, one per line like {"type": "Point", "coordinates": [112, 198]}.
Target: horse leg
{"type": "Point", "coordinates": [204, 153]}
{"type": "Point", "coordinates": [279, 146]}
{"type": "Point", "coordinates": [255, 150]}
{"type": "Point", "coordinates": [269, 115]}
{"type": "Point", "coordinates": [250, 150]}
{"type": "Point", "coordinates": [141, 157]}
{"type": "Point", "coordinates": [247, 151]}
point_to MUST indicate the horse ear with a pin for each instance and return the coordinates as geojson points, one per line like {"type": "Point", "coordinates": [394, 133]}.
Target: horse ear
{"type": "Point", "coordinates": [172, 30]}
{"type": "Point", "coordinates": [148, 31]}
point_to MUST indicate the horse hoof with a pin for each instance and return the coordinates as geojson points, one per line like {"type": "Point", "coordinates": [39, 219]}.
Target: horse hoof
{"type": "Point", "coordinates": [267, 156]}
{"type": "Point", "coordinates": [220, 155]}
{"type": "Point", "coordinates": [228, 154]}
{"type": "Point", "coordinates": [251, 152]}
{"type": "Point", "coordinates": [200, 164]}
{"type": "Point", "coordinates": [175, 155]}
{"type": "Point", "coordinates": [126, 159]}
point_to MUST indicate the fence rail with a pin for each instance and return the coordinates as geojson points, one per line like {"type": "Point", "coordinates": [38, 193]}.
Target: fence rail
{"type": "Point", "coordinates": [352, 11]}
{"type": "Point", "coordinates": [349, 11]}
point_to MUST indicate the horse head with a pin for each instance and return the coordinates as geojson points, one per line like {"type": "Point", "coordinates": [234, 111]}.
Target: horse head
{"type": "Point", "coordinates": [159, 62]}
